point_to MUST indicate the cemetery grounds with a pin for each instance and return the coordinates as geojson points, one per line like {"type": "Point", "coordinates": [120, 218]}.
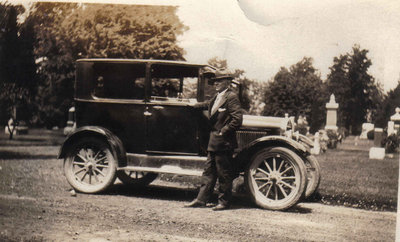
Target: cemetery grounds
{"type": "Point", "coordinates": [35, 196]}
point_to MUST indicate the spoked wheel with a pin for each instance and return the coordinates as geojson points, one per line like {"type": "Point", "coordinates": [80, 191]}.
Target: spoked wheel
{"type": "Point", "coordinates": [276, 178]}
{"type": "Point", "coordinates": [313, 175]}
{"type": "Point", "coordinates": [136, 178]}
{"type": "Point", "coordinates": [90, 166]}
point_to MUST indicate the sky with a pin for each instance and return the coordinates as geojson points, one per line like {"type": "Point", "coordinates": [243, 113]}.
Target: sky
{"type": "Point", "coordinates": [260, 36]}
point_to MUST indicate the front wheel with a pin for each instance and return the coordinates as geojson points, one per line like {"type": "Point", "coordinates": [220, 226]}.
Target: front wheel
{"type": "Point", "coordinates": [89, 165]}
{"type": "Point", "coordinates": [276, 178]}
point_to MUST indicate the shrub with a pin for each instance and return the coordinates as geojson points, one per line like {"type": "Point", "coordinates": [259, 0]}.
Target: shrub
{"type": "Point", "coordinates": [333, 138]}
{"type": "Point", "coordinates": [391, 142]}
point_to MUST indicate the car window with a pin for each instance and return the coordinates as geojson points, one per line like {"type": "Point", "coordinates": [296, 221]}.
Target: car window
{"type": "Point", "coordinates": [119, 80]}
{"type": "Point", "coordinates": [165, 87]}
{"type": "Point", "coordinates": [173, 82]}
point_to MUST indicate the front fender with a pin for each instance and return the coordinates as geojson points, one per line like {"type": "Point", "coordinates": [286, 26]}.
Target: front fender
{"type": "Point", "coordinates": [113, 141]}
{"type": "Point", "coordinates": [245, 154]}
{"type": "Point", "coordinates": [276, 139]}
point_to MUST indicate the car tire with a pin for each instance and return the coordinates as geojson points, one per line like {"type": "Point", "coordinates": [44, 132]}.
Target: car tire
{"type": "Point", "coordinates": [136, 178]}
{"type": "Point", "coordinates": [313, 175]}
{"type": "Point", "coordinates": [276, 178]}
{"type": "Point", "coordinates": [90, 166]}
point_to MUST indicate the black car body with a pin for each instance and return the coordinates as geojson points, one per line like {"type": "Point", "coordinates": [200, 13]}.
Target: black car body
{"type": "Point", "coordinates": [136, 119]}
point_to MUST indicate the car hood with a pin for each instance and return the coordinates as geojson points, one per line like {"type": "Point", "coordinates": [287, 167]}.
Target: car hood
{"type": "Point", "coordinates": [266, 122]}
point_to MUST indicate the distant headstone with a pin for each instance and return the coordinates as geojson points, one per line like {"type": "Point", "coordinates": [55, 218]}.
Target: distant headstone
{"type": "Point", "coordinates": [378, 137]}
{"type": "Point", "coordinates": [390, 128]}
{"type": "Point", "coordinates": [317, 147]}
{"type": "Point", "coordinates": [71, 125]}
{"type": "Point", "coordinates": [396, 117]}
{"type": "Point", "coordinates": [331, 114]}
{"type": "Point", "coordinates": [377, 152]}
{"type": "Point", "coordinates": [20, 128]}
{"type": "Point", "coordinates": [366, 127]}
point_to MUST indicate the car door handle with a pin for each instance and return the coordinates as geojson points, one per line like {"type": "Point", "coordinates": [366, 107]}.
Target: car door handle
{"type": "Point", "coordinates": [158, 107]}
{"type": "Point", "coordinates": [147, 113]}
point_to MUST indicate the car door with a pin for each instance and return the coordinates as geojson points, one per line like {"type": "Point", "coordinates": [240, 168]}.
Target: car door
{"type": "Point", "coordinates": [171, 128]}
{"type": "Point", "coordinates": [171, 120]}
{"type": "Point", "coordinates": [118, 102]}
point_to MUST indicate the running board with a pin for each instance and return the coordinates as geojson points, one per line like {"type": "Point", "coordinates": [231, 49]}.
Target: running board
{"type": "Point", "coordinates": [191, 165]}
{"type": "Point", "coordinates": [164, 169]}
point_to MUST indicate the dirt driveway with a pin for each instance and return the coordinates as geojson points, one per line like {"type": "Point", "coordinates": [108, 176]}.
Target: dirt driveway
{"type": "Point", "coordinates": [36, 204]}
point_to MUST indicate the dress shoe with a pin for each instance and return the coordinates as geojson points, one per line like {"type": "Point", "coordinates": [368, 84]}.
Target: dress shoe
{"type": "Point", "coordinates": [220, 207]}
{"type": "Point", "coordinates": [195, 204]}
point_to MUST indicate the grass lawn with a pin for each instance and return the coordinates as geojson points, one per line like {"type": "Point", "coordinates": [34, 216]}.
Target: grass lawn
{"type": "Point", "coordinates": [350, 178]}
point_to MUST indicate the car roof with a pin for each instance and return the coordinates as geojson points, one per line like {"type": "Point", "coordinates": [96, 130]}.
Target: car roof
{"type": "Point", "coordinates": [152, 61]}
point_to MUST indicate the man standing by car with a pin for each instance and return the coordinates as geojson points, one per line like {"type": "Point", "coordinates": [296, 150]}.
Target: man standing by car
{"type": "Point", "coordinates": [225, 115]}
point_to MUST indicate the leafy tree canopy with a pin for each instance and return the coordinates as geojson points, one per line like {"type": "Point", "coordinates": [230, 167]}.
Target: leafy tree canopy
{"type": "Point", "coordinates": [296, 91]}
{"type": "Point", "coordinates": [355, 89]}
{"type": "Point", "coordinates": [69, 31]}
{"type": "Point", "coordinates": [388, 107]}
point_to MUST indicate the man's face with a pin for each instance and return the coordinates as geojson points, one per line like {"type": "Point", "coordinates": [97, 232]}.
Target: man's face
{"type": "Point", "coordinates": [221, 84]}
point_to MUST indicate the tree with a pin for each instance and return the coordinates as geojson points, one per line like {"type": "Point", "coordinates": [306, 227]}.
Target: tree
{"type": "Point", "coordinates": [297, 91]}
{"type": "Point", "coordinates": [17, 66]}
{"type": "Point", "coordinates": [389, 104]}
{"type": "Point", "coordinates": [355, 90]}
{"type": "Point", "coordinates": [69, 31]}
{"type": "Point", "coordinates": [256, 91]}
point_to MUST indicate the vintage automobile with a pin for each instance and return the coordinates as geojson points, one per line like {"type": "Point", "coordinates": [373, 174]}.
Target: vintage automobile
{"type": "Point", "coordinates": [137, 119]}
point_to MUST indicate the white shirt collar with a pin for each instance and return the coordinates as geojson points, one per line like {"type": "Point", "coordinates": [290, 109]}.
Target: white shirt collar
{"type": "Point", "coordinates": [223, 92]}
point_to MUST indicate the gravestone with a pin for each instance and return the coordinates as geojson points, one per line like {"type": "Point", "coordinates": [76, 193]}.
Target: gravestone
{"type": "Point", "coordinates": [377, 152]}
{"type": "Point", "coordinates": [390, 128]}
{"type": "Point", "coordinates": [317, 147]}
{"type": "Point", "coordinates": [396, 119]}
{"type": "Point", "coordinates": [331, 114]}
{"type": "Point", "coordinates": [378, 136]}
{"type": "Point", "coordinates": [71, 124]}
{"type": "Point", "coordinates": [17, 122]}
{"type": "Point", "coordinates": [366, 127]}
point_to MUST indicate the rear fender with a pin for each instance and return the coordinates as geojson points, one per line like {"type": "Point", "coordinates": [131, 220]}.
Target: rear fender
{"type": "Point", "coordinates": [244, 156]}
{"type": "Point", "coordinates": [113, 141]}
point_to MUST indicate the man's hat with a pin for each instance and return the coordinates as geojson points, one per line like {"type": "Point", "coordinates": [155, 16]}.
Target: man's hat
{"type": "Point", "coordinates": [208, 72]}
{"type": "Point", "coordinates": [221, 75]}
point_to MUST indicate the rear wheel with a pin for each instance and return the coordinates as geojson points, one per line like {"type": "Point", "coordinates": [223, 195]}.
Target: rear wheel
{"type": "Point", "coordinates": [136, 178]}
{"type": "Point", "coordinates": [313, 175]}
{"type": "Point", "coordinates": [276, 178]}
{"type": "Point", "coordinates": [89, 165]}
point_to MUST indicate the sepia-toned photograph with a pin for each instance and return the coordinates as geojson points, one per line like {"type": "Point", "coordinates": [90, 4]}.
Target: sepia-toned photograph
{"type": "Point", "coordinates": [184, 120]}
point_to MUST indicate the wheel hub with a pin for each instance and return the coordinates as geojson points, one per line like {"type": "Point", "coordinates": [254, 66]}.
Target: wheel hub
{"type": "Point", "coordinates": [90, 165]}
{"type": "Point", "coordinates": [275, 177]}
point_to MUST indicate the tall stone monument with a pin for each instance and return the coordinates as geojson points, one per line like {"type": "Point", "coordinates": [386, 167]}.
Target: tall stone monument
{"type": "Point", "coordinates": [396, 119]}
{"type": "Point", "coordinates": [390, 128]}
{"type": "Point", "coordinates": [331, 114]}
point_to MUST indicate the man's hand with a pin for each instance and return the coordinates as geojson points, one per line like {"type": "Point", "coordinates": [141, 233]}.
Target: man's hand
{"type": "Point", "coordinates": [201, 105]}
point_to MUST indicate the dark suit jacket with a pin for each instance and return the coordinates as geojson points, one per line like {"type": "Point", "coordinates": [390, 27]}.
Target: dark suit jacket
{"type": "Point", "coordinates": [224, 122]}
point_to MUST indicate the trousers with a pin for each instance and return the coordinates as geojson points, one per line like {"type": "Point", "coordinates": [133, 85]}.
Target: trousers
{"type": "Point", "coordinates": [218, 166]}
